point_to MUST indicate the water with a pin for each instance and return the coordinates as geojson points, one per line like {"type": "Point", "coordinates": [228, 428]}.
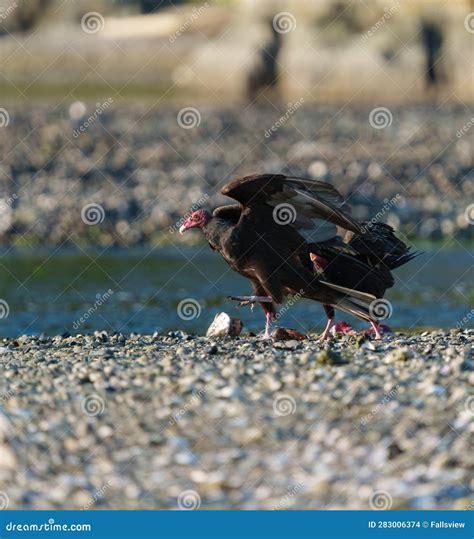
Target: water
{"type": "Point", "coordinates": [50, 291]}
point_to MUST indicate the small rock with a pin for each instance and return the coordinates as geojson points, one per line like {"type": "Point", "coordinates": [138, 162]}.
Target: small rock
{"type": "Point", "coordinates": [286, 334]}
{"type": "Point", "coordinates": [223, 325]}
{"type": "Point", "coordinates": [8, 460]}
{"type": "Point", "coordinates": [325, 357]}
{"type": "Point", "coordinates": [400, 354]}
{"type": "Point", "coordinates": [228, 392]}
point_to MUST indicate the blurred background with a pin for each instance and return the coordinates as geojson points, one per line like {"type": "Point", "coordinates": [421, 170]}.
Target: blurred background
{"type": "Point", "coordinates": [118, 117]}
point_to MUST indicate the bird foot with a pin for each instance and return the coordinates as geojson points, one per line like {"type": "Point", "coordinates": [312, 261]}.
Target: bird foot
{"type": "Point", "coordinates": [250, 300]}
{"type": "Point", "coordinates": [375, 327]}
{"type": "Point", "coordinates": [378, 330]}
{"type": "Point", "coordinates": [323, 337]}
{"type": "Point", "coordinates": [326, 334]}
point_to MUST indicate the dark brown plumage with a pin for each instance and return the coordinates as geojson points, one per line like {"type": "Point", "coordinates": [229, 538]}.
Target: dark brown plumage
{"type": "Point", "coordinates": [279, 222]}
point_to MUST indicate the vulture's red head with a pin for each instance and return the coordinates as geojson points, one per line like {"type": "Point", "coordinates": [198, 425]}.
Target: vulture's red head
{"type": "Point", "coordinates": [198, 219]}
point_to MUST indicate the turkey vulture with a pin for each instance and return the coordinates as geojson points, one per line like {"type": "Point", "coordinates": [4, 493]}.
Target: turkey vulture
{"type": "Point", "coordinates": [283, 236]}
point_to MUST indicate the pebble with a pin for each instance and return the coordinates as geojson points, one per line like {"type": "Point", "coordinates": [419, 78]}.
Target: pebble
{"type": "Point", "coordinates": [77, 172]}
{"type": "Point", "coordinates": [288, 424]}
{"type": "Point", "coordinates": [224, 325]}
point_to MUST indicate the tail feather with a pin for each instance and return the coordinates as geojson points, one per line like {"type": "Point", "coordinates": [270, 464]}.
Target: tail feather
{"type": "Point", "coordinates": [395, 261]}
{"type": "Point", "coordinates": [352, 301]}
{"type": "Point", "coordinates": [378, 241]}
{"type": "Point", "coordinates": [380, 245]}
{"type": "Point", "coordinates": [363, 296]}
{"type": "Point", "coordinates": [354, 307]}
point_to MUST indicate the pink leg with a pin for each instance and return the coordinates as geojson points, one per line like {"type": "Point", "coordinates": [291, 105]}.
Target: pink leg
{"type": "Point", "coordinates": [268, 325]}
{"type": "Point", "coordinates": [375, 327]}
{"type": "Point", "coordinates": [324, 334]}
{"type": "Point", "coordinates": [330, 314]}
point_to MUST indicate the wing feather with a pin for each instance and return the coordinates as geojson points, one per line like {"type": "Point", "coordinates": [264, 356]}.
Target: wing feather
{"type": "Point", "coordinates": [230, 212]}
{"type": "Point", "coordinates": [318, 206]}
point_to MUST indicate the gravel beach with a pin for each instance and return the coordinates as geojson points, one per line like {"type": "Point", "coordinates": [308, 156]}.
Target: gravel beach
{"type": "Point", "coordinates": [180, 421]}
{"type": "Point", "coordinates": [135, 171]}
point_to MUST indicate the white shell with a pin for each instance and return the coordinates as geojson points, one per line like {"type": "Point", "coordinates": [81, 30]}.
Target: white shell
{"type": "Point", "coordinates": [224, 325]}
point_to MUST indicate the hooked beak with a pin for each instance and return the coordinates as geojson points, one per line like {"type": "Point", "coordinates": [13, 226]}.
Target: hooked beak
{"type": "Point", "coordinates": [182, 229]}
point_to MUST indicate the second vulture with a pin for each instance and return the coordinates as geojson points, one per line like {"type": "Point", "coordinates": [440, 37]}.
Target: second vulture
{"type": "Point", "coordinates": [292, 236]}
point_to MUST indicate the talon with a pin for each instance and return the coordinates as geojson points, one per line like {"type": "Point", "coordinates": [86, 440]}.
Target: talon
{"type": "Point", "coordinates": [325, 336]}
{"type": "Point", "coordinates": [330, 315]}
{"type": "Point", "coordinates": [375, 327]}
{"type": "Point", "coordinates": [246, 300]}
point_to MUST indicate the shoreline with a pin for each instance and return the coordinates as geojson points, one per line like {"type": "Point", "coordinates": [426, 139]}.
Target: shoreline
{"type": "Point", "coordinates": [165, 240]}
{"type": "Point", "coordinates": [130, 422]}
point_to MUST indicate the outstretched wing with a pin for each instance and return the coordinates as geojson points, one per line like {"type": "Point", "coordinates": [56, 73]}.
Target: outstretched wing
{"type": "Point", "coordinates": [316, 208]}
